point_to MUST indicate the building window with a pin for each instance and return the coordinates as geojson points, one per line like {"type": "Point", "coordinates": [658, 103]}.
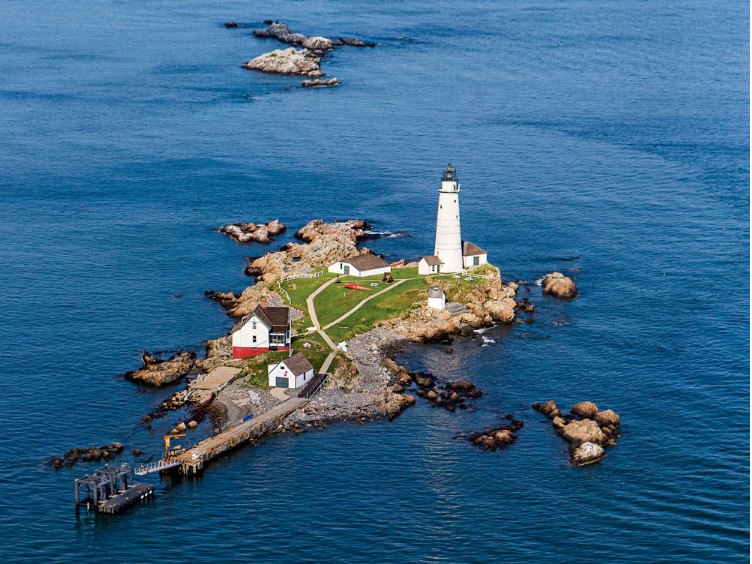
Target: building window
{"type": "Point", "coordinates": [476, 261]}
{"type": "Point", "coordinates": [254, 338]}
{"type": "Point", "coordinates": [253, 325]}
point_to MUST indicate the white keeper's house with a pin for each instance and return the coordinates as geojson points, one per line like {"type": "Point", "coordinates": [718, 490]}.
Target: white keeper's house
{"type": "Point", "coordinates": [264, 329]}
{"type": "Point", "coordinates": [360, 266]}
{"type": "Point", "coordinates": [291, 372]}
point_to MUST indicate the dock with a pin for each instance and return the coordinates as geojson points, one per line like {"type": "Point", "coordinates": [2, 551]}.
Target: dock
{"type": "Point", "coordinates": [111, 489]}
{"type": "Point", "coordinates": [193, 460]}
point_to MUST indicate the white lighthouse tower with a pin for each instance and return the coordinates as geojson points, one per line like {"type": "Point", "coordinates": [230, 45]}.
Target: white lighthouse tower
{"type": "Point", "coordinates": [448, 238]}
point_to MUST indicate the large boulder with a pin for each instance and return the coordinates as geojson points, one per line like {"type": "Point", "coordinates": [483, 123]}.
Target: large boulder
{"type": "Point", "coordinates": [275, 30]}
{"type": "Point", "coordinates": [585, 431]}
{"type": "Point", "coordinates": [586, 453]}
{"type": "Point", "coordinates": [462, 386]}
{"type": "Point", "coordinates": [299, 62]}
{"type": "Point", "coordinates": [549, 409]}
{"type": "Point", "coordinates": [559, 286]}
{"type": "Point", "coordinates": [354, 229]}
{"type": "Point", "coordinates": [499, 310]}
{"type": "Point", "coordinates": [608, 417]}
{"type": "Point", "coordinates": [318, 43]}
{"type": "Point", "coordinates": [585, 409]}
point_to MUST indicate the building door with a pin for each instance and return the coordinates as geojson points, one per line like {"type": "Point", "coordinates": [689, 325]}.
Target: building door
{"type": "Point", "coordinates": [347, 270]}
{"type": "Point", "coordinates": [282, 382]}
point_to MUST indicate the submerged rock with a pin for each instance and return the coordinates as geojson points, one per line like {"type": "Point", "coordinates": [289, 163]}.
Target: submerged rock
{"type": "Point", "coordinates": [318, 83]}
{"type": "Point", "coordinates": [499, 437]}
{"type": "Point", "coordinates": [559, 286]}
{"type": "Point", "coordinates": [288, 61]}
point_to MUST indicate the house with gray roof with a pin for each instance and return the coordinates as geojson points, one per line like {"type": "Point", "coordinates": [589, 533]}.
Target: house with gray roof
{"type": "Point", "coordinates": [472, 255]}
{"type": "Point", "coordinates": [361, 266]}
{"type": "Point", "coordinates": [292, 372]}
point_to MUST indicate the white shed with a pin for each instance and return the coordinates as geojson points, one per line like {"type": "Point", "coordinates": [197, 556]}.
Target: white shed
{"type": "Point", "coordinates": [360, 266]}
{"type": "Point", "coordinates": [436, 298]}
{"type": "Point", "coordinates": [473, 255]}
{"type": "Point", "coordinates": [429, 265]}
{"type": "Point", "coordinates": [291, 372]}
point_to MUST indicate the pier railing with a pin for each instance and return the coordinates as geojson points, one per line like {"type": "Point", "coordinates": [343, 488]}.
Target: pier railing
{"type": "Point", "coordinates": [313, 386]}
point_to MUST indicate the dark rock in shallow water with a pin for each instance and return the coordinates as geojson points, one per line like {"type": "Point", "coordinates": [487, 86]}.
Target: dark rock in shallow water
{"type": "Point", "coordinates": [231, 25]}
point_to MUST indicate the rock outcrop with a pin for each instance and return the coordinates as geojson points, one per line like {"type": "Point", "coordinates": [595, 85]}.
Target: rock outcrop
{"type": "Point", "coordinates": [158, 372]}
{"type": "Point", "coordinates": [282, 33]}
{"type": "Point", "coordinates": [298, 62]}
{"type": "Point", "coordinates": [353, 229]}
{"type": "Point", "coordinates": [485, 303]}
{"type": "Point", "coordinates": [251, 232]}
{"type": "Point", "coordinates": [498, 437]}
{"type": "Point", "coordinates": [91, 454]}
{"type": "Point", "coordinates": [559, 286]}
{"type": "Point", "coordinates": [586, 429]}
{"type": "Point", "coordinates": [318, 83]}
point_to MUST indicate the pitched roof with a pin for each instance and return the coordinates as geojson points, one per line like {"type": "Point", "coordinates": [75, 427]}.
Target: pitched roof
{"type": "Point", "coordinates": [297, 364]}
{"type": "Point", "coordinates": [366, 262]}
{"type": "Point", "coordinates": [274, 318]}
{"type": "Point", "coordinates": [435, 292]}
{"type": "Point", "coordinates": [470, 250]}
{"type": "Point", "coordinates": [432, 260]}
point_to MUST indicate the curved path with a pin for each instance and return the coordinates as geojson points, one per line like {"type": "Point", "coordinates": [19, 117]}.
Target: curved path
{"type": "Point", "coordinates": [321, 330]}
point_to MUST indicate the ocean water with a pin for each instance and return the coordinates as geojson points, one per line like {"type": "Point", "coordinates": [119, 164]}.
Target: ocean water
{"type": "Point", "coordinates": [611, 138]}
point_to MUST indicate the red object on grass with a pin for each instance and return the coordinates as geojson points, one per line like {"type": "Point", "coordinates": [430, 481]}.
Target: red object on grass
{"type": "Point", "coordinates": [356, 287]}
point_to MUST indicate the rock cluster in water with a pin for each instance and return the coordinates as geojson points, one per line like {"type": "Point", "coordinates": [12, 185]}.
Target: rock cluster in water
{"type": "Point", "coordinates": [586, 429]}
{"type": "Point", "coordinates": [559, 286]}
{"type": "Point", "coordinates": [91, 454]}
{"type": "Point", "coordinates": [158, 372]}
{"type": "Point", "coordinates": [320, 45]}
{"type": "Point", "coordinates": [303, 58]}
{"type": "Point", "coordinates": [497, 437]}
{"type": "Point", "coordinates": [251, 232]}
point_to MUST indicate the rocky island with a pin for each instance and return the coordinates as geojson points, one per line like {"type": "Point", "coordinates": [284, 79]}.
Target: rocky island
{"type": "Point", "coordinates": [304, 56]}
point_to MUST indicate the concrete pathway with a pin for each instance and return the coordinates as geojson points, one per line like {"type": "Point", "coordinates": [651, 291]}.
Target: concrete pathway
{"type": "Point", "coordinates": [368, 299]}
{"type": "Point", "coordinates": [309, 302]}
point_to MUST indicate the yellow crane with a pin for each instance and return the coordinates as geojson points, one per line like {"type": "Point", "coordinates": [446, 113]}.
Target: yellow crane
{"type": "Point", "coordinates": [167, 443]}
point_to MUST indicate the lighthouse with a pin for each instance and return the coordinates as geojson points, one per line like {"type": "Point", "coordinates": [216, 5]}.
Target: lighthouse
{"type": "Point", "coordinates": [448, 238]}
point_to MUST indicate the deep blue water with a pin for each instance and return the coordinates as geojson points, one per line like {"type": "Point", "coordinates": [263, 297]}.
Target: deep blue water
{"type": "Point", "coordinates": [612, 134]}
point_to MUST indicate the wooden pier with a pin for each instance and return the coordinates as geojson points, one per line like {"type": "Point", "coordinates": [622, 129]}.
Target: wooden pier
{"type": "Point", "coordinates": [193, 460]}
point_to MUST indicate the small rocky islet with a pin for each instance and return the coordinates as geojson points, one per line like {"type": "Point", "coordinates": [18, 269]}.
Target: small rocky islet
{"type": "Point", "coordinates": [252, 232]}
{"type": "Point", "coordinates": [304, 56]}
{"type": "Point", "coordinates": [585, 428]}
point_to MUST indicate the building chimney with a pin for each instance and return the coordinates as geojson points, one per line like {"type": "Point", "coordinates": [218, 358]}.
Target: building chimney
{"type": "Point", "coordinates": [263, 303]}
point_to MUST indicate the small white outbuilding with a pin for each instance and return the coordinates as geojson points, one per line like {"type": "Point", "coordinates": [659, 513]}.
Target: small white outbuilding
{"type": "Point", "coordinates": [292, 372]}
{"type": "Point", "coordinates": [429, 265]}
{"type": "Point", "coordinates": [436, 298]}
{"type": "Point", "coordinates": [360, 266]}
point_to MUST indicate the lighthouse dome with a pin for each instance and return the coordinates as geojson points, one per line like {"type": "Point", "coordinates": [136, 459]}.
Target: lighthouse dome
{"type": "Point", "coordinates": [449, 174]}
